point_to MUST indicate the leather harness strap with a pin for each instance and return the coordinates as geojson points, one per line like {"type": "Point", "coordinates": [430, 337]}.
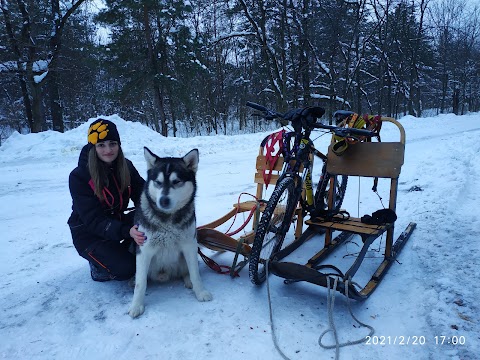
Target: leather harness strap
{"type": "Point", "coordinates": [270, 156]}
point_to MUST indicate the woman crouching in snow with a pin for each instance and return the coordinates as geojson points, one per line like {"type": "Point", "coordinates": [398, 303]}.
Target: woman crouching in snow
{"type": "Point", "coordinates": [101, 186]}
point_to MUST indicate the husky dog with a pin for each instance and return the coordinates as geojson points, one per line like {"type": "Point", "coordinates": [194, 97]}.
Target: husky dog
{"type": "Point", "coordinates": [167, 216]}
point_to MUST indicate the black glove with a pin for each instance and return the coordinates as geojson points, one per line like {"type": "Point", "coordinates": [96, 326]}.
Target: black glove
{"type": "Point", "coordinates": [380, 217]}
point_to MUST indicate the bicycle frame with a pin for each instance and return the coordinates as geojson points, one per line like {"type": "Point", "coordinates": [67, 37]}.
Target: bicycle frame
{"type": "Point", "coordinates": [300, 153]}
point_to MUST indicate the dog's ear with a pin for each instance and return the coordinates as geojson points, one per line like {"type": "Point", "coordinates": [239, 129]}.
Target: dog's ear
{"type": "Point", "coordinates": [150, 157]}
{"type": "Point", "coordinates": [191, 159]}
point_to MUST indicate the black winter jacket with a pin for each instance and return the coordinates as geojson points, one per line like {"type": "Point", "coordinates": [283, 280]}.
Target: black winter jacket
{"type": "Point", "coordinates": [93, 220]}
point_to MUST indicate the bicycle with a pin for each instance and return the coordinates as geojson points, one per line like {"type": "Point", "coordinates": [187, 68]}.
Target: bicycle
{"type": "Point", "coordinates": [296, 172]}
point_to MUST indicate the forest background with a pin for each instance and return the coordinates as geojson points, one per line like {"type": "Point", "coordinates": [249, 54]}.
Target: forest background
{"type": "Point", "coordinates": [187, 67]}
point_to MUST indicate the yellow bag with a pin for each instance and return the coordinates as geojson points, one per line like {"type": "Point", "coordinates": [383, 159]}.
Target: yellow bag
{"type": "Point", "coordinates": [367, 122]}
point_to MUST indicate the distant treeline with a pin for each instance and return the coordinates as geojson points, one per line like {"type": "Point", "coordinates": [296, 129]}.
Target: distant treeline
{"type": "Point", "coordinates": [187, 67]}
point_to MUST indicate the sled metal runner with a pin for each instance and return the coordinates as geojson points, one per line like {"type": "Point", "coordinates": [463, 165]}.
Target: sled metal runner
{"type": "Point", "coordinates": [293, 272]}
{"type": "Point", "coordinates": [364, 159]}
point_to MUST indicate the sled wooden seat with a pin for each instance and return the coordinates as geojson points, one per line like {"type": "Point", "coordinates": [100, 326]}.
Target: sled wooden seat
{"type": "Point", "coordinates": [210, 237]}
{"type": "Point", "coordinates": [353, 225]}
{"type": "Point", "coordinates": [364, 159]}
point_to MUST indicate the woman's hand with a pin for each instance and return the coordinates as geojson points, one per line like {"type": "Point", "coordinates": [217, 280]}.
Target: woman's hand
{"type": "Point", "coordinates": [138, 236]}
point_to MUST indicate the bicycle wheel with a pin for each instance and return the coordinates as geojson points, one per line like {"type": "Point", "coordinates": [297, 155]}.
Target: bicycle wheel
{"type": "Point", "coordinates": [272, 228]}
{"type": "Point", "coordinates": [323, 187]}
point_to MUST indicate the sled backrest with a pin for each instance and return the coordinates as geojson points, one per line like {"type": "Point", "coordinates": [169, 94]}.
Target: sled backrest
{"type": "Point", "coordinates": [370, 159]}
{"type": "Point", "coordinates": [261, 165]}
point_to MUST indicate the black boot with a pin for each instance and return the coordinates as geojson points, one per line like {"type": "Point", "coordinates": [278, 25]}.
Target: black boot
{"type": "Point", "coordinates": [99, 274]}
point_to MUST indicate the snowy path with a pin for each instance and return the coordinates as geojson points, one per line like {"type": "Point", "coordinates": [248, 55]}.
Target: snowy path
{"type": "Point", "coordinates": [50, 308]}
{"type": "Point", "coordinates": [447, 239]}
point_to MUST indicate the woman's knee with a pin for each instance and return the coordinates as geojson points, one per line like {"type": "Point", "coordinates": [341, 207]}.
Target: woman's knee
{"type": "Point", "coordinates": [116, 259]}
{"type": "Point", "coordinates": [124, 271]}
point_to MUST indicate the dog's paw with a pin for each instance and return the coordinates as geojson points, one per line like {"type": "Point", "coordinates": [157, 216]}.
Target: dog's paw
{"type": "Point", "coordinates": [204, 295]}
{"type": "Point", "coordinates": [136, 311]}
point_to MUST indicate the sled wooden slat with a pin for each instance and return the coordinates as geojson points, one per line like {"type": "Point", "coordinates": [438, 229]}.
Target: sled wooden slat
{"type": "Point", "coordinates": [247, 206]}
{"type": "Point", "coordinates": [262, 163]}
{"type": "Point", "coordinates": [259, 179]}
{"type": "Point", "coordinates": [351, 225]}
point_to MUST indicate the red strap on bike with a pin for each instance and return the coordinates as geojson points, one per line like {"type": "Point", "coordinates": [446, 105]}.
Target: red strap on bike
{"type": "Point", "coordinates": [270, 156]}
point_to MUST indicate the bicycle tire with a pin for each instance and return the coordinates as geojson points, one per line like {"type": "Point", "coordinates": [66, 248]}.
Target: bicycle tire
{"type": "Point", "coordinates": [264, 246]}
{"type": "Point", "coordinates": [323, 187]}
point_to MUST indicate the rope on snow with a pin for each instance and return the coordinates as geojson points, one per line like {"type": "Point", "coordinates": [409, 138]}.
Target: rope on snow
{"type": "Point", "coordinates": [330, 307]}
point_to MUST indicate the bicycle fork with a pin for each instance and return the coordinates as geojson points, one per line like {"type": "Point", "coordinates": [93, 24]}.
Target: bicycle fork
{"type": "Point", "coordinates": [307, 176]}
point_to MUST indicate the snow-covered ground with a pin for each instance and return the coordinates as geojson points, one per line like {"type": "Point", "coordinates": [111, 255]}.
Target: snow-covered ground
{"type": "Point", "coordinates": [51, 309]}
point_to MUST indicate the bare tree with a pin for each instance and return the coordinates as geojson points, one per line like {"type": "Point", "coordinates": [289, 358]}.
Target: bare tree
{"type": "Point", "coordinates": [446, 17]}
{"type": "Point", "coordinates": [259, 17]}
{"type": "Point", "coordinates": [36, 64]}
{"type": "Point", "coordinates": [414, 104]}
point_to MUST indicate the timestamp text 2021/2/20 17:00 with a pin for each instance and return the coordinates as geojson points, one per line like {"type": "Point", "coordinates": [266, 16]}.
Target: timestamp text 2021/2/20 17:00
{"type": "Point", "coordinates": [415, 340]}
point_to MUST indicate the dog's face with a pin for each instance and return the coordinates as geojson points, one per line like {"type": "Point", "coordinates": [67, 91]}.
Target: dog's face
{"type": "Point", "coordinates": [171, 181]}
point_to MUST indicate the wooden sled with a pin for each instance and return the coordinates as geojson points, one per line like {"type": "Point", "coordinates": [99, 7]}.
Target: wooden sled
{"type": "Point", "coordinates": [364, 159]}
{"type": "Point", "coordinates": [211, 237]}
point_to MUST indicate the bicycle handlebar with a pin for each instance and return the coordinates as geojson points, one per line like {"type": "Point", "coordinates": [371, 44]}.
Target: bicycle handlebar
{"type": "Point", "coordinates": [256, 106]}
{"type": "Point", "coordinates": [346, 132]}
{"type": "Point", "coordinates": [307, 117]}
{"type": "Point", "coordinates": [267, 114]}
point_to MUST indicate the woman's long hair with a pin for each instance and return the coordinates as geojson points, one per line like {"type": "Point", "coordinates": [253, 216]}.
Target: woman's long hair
{"type": "Point", "coordinates": [98, 171]}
